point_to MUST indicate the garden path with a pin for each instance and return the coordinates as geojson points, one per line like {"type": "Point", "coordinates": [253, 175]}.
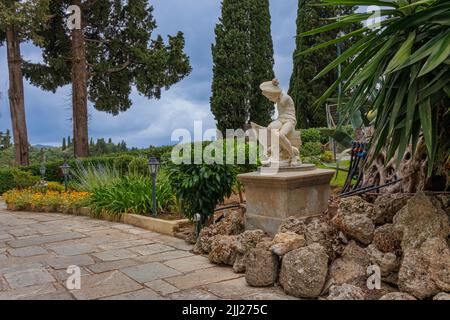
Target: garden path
{"type": "Point", "coordinates": [116, 261]}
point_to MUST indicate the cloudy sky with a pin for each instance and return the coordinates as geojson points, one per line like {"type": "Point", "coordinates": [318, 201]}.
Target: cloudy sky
{"type": "Point", "coordinates": [151, 122]}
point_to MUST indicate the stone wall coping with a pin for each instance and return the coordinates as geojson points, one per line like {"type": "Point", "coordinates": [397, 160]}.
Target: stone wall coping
{"type": "Point", "coordinates": [288, 180]}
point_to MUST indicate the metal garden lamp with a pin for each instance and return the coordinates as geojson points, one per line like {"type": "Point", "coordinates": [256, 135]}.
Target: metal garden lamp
{"type": "Point", "coordinates": [65, 168]}
{"type": "Point", "coordinates": [154, 164]}
{"type": "Point", "coordinates": [42, 171]}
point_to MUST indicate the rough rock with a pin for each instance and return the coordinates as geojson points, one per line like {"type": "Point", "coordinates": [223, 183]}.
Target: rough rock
{"type": "Point", "coordinates": [351, 267]}
{"type": "Point", "coordinates": [355, 205]}
{"type": "Point", "coordinates": [421, 219]}
{"type": "Point", "coordinates": [386, 239]}
{"type": "Point", "coordinates": [345, 292]}
{"type": "Point", "coordinates": [292, 224]}
{"type": "Point", "coordinates": [425, 272]}
{"type": "Point", "coordinates": [239, 263]}
{"type": "Point", "coordinates": [397, 296]}
{"type": "Point", "coordinates": [223, 250]}
{"type": "Point", "coordinates": [442, 296]}
{"type": "Point", "coordinates": [265, 244]}
{"type": "Point", "coordinates": [232, 224]}
{"type": "Point", "coordinates": [388, 262]}
{"type": "Point", "coordinates": [357, 226]}
{"type": "Point", "coordinates": [386, 206]}
{"type": "Point", "coordinates": [304, 271]}
{"type": "Point", "coordinates": [248, 240]}
{"type": "Point", "coordinates": [287, 241]}
{"type": "Point", "coordinates": [261, 268]}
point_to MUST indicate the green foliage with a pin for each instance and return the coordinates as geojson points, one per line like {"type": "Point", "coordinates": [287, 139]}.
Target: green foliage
{"type": "Point", "coordinates": [309, 149]}
{"type": "Point", "coordinates": [139, 166]}
{"type": "Point", "coordinates": [301, 89]}
{"type": "Point", "coordinates": [120, 53]}
{"type": "Point", "coordinates": [6, 181]}
{"type": "Point", "coordinates": [89, 177]}
{"type": "Point", "coordinates": [242, 59]}
{"type": "Point", "coordinates": [311, 135]}
{"type": "Point", "coordinates": [404, 68]}
{"type": "Point", "coordinates": [132, 194]}
{"type": "Point", "coordinates": [122, 162]}
{"type": "Point", "coordinates": [23, 179]}
{"type": "Point", "coordinates": [200, 188]}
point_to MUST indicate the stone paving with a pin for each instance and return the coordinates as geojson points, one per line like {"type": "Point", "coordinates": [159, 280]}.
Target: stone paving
{"type": "Point", "coordinates": [117, 261]}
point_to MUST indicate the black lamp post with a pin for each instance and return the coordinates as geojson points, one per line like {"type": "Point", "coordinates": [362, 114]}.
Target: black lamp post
{"type": "Point", "coordinates": [154, 164]}
{"type": "Point", "coordinates": [65, 170]}
{"type": "Point", "coordinates": [42, 170]}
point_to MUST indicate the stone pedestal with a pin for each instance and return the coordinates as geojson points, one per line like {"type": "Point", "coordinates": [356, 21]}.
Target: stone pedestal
{"type": "Point", "coordinates": [273, 197]}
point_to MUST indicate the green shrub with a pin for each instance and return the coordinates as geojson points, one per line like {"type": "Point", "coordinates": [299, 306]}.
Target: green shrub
{"type": "Point", "coordinates": [310, 135]}
{"type": "Point", "coordinates": [327, 156]}
{"type": "Point", "coordinates": [138, 166]}
{"type": "Point", "coordinates": [309, 149]}
{"type": "Point", "coordinates": [89, 177]}
{"type": "Point", "coordinates": [23, 179]}
{"type": "Point", "coordinates": [6, 180]}
{"type": "Point", "coordinates": [122, 162]}
{"type": "Point", "coordinates": [132, 194]}
{"type": "Point", "coordinates": [200, 188]}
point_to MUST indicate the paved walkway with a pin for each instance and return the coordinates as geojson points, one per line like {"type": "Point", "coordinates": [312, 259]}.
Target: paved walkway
{"type": "Point", "coordinates": [117, 261]}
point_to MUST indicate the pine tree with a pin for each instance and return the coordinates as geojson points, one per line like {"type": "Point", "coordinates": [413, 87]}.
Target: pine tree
{"type": "Point", "coordinates": [242, 59]}
{"type": "Point", "coordinates": [302, 89]}
{"type": "Point", "coordinates": [261, 61]}
{"type": "Point", "coordinates": [113, 51]}
{"type": "Point", "coordinates": [18, 21]}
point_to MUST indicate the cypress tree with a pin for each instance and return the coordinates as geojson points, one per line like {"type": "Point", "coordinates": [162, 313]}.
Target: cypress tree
{"type": "Point", "coordinates": [302, 89]}
{"type": "Point", "coordinates": [113, 51]}
{"type": "Point", "coordinates": [261, 61]}
{"type": "Point", "coordinates": [64, 145]}
{"type": "Point", "coordinates": [242, 59]}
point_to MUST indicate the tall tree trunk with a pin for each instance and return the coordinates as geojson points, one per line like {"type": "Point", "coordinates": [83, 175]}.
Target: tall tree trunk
{"type": "Point", "coordinates": [79, 93]}
{"type": "Point", "coordinates": [16, 97]}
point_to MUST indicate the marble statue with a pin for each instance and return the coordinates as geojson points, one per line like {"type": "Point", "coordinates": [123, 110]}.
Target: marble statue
{"type": "Point", "coordinates": [283, 141]}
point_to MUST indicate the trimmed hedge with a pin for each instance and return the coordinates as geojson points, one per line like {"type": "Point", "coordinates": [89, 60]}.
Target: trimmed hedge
{"type": "Point", "coordinates": [6, 180]}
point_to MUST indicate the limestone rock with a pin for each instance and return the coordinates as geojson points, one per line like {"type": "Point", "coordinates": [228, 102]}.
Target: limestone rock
{"type": "Point", "coordinates": [357, 226]}
{"type": "Point", "coordinates": [388, 262]}
{"type": "Point", "coordinates": [292, 224]}
{"type": "Point", "coordinates": [287, 241]}
{"type": "Point", "coordinates": [386, 239]}
{"type": "Point", "coordinates": [239, 263]}
{"type": "Point", "coordinates": [351, 267]}
{"type": "Point", "coordinates": [397, 296]}
{"type": "Point", "coordinates": [442, 296]}
{"type": "Point", "coordinates": [232, 224]}
{"type": "Point", "coordinates": [304, 271]}
{"type": "Point", "coordinates": [424, 272]}
{"type": "Point", "coordinates": [386, 206]}
{"type": "Point", "coordinates": [345, 292]}
{"type": "Point", "coordinates": [421, 219]}
{"type": "Point", "coordinates": [265, 244]}
{"type": "Point", "coordinates": [223, 250]}
{"type": "Point", "coordinates": [248, 240]}
{"type": "Point", "coordinates": [261, 268]}
{"type": "Point", "coordinates": [355, 205]}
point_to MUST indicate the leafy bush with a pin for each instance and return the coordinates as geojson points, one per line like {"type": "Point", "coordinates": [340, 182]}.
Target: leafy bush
{"type": "Point", "coordinates": [122, 162]}
{"type": "Point", "coordinates": [132, 194]}
{"type": "Point", "coordinates": [200, 188]}
{"type": "Point", "coordinates": [309, 149]}
{"type": "Point", "coordinates": [138, 166]}
{"type": "Point", "coordinates": [327, 156]}
{"type": "Point", "coordinates": [310, 135]}
{"type": "Point", "coordinates": [6, 180]}
{"type": "Point", "coordinates": [23, 179]}
{"type": "Point", "coordinates": [89, 177]}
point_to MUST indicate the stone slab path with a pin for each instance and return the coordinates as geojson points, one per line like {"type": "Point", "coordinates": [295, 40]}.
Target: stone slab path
{"type": "Point", "coordinates": [116, 261]}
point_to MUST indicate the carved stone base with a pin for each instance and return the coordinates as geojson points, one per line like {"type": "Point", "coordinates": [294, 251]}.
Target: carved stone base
{"type": "Point", "coordinates": [271, 198]}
